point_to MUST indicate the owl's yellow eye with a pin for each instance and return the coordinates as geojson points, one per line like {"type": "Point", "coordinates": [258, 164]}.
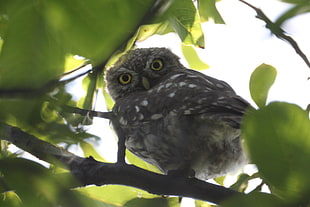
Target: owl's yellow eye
{"type": "Point", "coordinates": [124, 78]}
{"type": "Point", "coordinates": [157, 64]}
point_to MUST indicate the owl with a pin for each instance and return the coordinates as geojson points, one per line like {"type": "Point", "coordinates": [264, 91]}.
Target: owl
{"type": "Point", "coordinates": [175, 118]}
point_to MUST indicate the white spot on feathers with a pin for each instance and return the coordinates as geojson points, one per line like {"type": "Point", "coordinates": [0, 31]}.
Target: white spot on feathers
{"type": "Point", "coordinates": [156, 116]}
{"type": "Point", "coordinates": [144, 103]}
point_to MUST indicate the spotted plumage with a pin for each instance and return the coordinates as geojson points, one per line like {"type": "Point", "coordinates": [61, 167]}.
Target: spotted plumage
{"type": "Point", "coordinates": [176, 118]}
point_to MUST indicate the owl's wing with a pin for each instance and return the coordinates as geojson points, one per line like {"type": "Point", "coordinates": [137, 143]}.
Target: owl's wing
{"type": "Point", "coordinates": [219, 107]}
{"type": "Point", "coordinates": [212, 99]}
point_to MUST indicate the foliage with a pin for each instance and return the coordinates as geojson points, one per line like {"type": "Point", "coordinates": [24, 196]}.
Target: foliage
{"type": "Point", "coordinates": [41, 40]}
{"type": "Point", "coordinates": [281, 150]}
{"type": "Point", "coordinates": [261, 80]}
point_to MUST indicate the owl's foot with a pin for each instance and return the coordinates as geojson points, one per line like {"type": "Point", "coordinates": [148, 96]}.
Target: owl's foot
{"type": "Point", "coordinates": [184, 172]}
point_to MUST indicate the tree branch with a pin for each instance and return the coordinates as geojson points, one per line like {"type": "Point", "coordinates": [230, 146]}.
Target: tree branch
{"type": "Point", "coordinates": [89, 171]}
{"type": "Point", "coordinates": [278, 31]}
{"type": "Point", "coordinates": [85, 112]}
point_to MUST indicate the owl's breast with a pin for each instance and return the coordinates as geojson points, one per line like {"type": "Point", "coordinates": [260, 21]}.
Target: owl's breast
{"type": "Point", "coordinates": [174, 141]}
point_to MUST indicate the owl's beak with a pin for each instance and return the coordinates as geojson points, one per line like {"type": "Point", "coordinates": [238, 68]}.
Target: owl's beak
{"type": "Point", "coordinates": [145, 83]}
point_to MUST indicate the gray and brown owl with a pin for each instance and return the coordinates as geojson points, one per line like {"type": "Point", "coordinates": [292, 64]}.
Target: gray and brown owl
{"type": "Point", "coordinates": [175, 118]}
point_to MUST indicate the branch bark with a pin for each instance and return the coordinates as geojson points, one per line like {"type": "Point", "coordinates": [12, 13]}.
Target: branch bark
{"type": "Point", "coordinates": [89, 171]}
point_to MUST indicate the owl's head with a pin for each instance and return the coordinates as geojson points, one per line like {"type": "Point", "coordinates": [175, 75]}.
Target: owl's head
{"type": "Point", "coordinates": [140, 69]}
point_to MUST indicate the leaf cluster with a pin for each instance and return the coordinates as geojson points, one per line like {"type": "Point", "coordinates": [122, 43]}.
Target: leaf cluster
{"type": "Point", "coordinates": [41, 42]}
{"type": "Point", "coordinates": [277, 138]}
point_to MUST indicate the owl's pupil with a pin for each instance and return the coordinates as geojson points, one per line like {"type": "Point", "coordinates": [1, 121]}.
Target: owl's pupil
{"type": "Point", "coordinates": [125, 78]}
{"type": "Point", "coordinates": [156, 65]}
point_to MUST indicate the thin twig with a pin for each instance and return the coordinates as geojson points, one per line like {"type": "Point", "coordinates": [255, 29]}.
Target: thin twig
{"type": "Point", "coordinates": [278, 32]}
{"type": "Point", "coordinates": [33, 92]}
{"type": "Point", "coordinates": [75, 69]}
{"type": "Point", "coordinates": [89, 113]}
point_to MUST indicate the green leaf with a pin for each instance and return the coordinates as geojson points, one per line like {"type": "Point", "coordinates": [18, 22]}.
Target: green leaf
{"type": "Point", "coordinates": [184, 19]}
{"type": "Point", "coordinates": [94, 29]}
{"type": "Point", "coordinates": [38, 35]}
{"type": "Point", "coordinates": [199, 203]}
{"type": "Point", "coordinates": [278, 140]}
{"type": "Point", "coordinates": [108, 100]}
{"type": "Point", "coordinates": [208, 10]}
{"type": "Point", "coordinates": [140, 163]}
{"type": "Point", "coordinates": [154, 202]}
{"type": "Point", "coordinates": [89, 150]}
{"type": "Point", "coordinates": [242, 183]}
{"type": "Point", "coordinates": [146, 31]}
{"type": "Point", "coordinates": [296, 1]}
{"type": "Point", "coordinates": [72, 62]}
{"type": "Point", "coordinates": [301, 8]}
{"type": "Point", "coordinates": [90, 85]}
{"type": "Point", "coordinates": [93, 202]}
{"type": "Point", "coordinates": [10, 199]}
{"type": "Point", "coordinates": [115, 194]}
{"type": "Point", "coordinates": [253, 200]}
{"type": "Point", "coordinates": [35, 185]}
{"type": "Point", "coordinates": [29, 57]}
{"type": "Point", "coordinates": [260, 82]}
{"type": "Point", "coordinates": [193, 59]}
{"type": "Point", "coordinates": [220, 180]}
{"type": "Point", "coordinates": [26, 117]}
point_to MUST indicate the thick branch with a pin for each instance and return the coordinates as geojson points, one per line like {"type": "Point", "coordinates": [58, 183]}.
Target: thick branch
{"type": "Point", "coordinates": [89, 171]}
